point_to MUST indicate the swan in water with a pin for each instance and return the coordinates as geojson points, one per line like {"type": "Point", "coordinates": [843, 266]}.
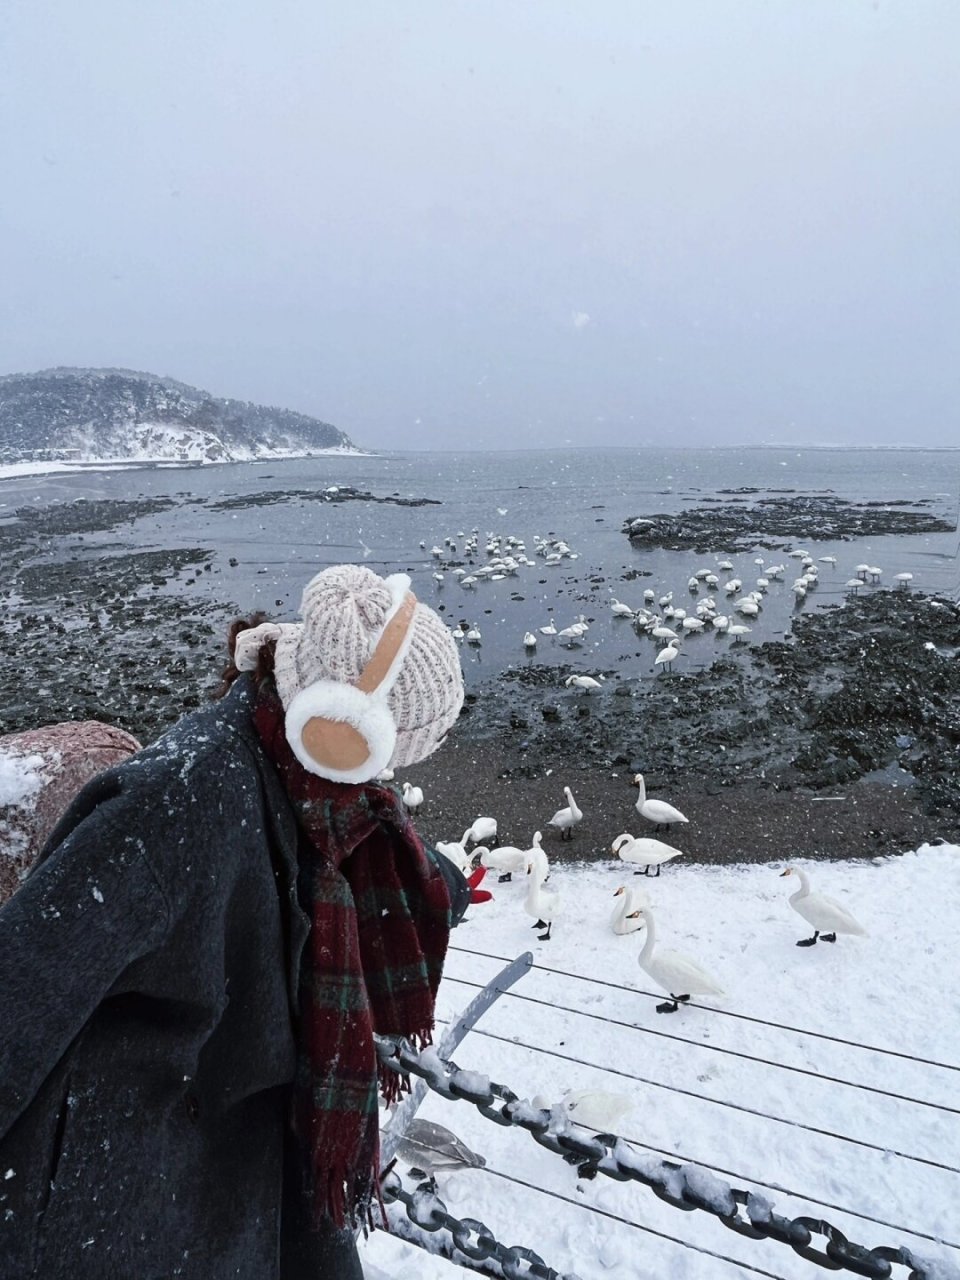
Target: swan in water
{"type": "Point", "coordinates": [674, 972]}
{"type": "Point", "coordinates": [529, 640]}
{"type": "Point", "coordinates": [827, 917]}
{"type": "Point", "coordinates": [412, 798]}
{"type": "Point", "coordinates": [542, 904]}
{"type": "Point", "coordinates": [656, 811]}
{"type": "Point", "coordinates": [549, 630]}
{"type": "Point", "coordinates": [621, 610]}
{"type": "Point", "coordinates": [626, 918]}
{"type": "Point", "coordinates": [666, 656]}
{"type": "Point", "coordinates": [566, 819]}
{"type": "Point", "coordinates": [644, 852]}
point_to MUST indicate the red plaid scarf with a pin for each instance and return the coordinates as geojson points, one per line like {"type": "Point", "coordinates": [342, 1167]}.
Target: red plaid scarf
{"type": "Point", "coordinates": [380, 915]}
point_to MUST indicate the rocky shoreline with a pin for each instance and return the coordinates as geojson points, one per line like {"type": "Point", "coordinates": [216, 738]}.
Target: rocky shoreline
{"type": "Point", "coordinates": [842, 741]}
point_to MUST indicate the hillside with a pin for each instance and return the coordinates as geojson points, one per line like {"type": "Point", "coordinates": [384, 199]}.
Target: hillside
{"type": "Point", "coordinates": [89, 415]}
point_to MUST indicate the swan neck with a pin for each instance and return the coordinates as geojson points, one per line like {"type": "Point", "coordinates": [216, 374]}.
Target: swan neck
{"type": "Point", "coordinates": [650, 939]}
{"type": "Point", "coordinates": [804, 884]}
{"type": "Point", "coordinates": [642, 799]}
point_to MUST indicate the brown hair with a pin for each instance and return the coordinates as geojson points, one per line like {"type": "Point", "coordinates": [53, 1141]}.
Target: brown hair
{"type": "Point", "coordinates": [264, 656]}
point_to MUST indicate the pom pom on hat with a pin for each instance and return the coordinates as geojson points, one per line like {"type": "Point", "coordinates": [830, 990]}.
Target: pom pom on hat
{"type": "Point", "coordinates": [343, 610]}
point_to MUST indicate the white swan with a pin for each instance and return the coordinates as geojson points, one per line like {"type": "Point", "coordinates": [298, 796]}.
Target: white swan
{"type": "Point", "coordinates": [672, 971]}
{"type": "Point", "coordinates": [621, 610]}
{"type": "Point", "coordinates": [626, 918]}
{"type": "Point", "coordinates": [482, 829]}
{"type": "Point", "coordinates": [581, 682]}
{"type": "Point", "coordinates": [456, 851]}
{"type": "Point", "coordinates": [566, 819]}
{"type": "Point", "coordinates": [827, 917]}
{"type": "Point", "coordinates": [666, 656]}
{"type": "Point", "coordinates": [473, 636]}
{"type": "Point", "coordinates": [542, 904]}
{"type": "Point", "coordinates": [549, 630]}
{"type": "Point", "coordinates": [412, 798]}
{"type": "Point", "coordinates": [644, 852]}
{"type": "Point", "coordinates": [656, 811]}
{"type": "Point", "coordinates": [529, 640]}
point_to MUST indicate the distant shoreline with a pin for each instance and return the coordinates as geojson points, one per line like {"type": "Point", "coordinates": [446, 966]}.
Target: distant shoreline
{"type": "Point", "coordinates": [66, 466]}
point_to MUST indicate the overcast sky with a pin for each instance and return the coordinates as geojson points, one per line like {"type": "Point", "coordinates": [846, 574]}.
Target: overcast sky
{"type": "Point", "coordinates": [497, 223]}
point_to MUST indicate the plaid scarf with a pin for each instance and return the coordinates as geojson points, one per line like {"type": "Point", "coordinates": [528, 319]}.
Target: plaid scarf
{"type": "Point", "coordinates": [380, 922]}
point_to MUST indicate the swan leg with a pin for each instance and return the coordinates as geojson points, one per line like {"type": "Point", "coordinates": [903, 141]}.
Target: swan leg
{"type": "Point", "coordinates": [828, 937]}
{"type": "Point", "coordinates": [668, 1006]}
{"type": "Point", "coordinates": [639, 873]}
{"type": "Point", "coordinates": [541, 924]}
{"type": "Point", "coordinates": [504, 878]}
{"type": "Point", "coordinates": [682, 999]}
{"type": "Point", "coordinates": [659, 865]}
{"type": "Point", "coordinates": [808, 942]}
{"type": "Point", "coordinates": [545, 937]}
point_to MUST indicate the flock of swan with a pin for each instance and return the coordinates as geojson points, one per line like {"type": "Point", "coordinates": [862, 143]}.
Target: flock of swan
{"type": "Point", "coordinates": [660, 616]}
{"type": "Point", "coordinates": [680, 976]}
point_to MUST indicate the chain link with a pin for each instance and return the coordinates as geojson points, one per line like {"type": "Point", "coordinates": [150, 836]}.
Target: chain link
{"type": "Point", "coordinates": [746, 1213]}
{"type": "Point", "coordinates": [472, 1238]}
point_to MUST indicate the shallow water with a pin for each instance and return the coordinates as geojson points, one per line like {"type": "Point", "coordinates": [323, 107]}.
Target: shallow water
{"type": "Point", "coordinates": [582, 496]}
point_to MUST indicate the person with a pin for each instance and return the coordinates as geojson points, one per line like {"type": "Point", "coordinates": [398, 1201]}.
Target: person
{"type": "Point", "coordinates": [192, 974]}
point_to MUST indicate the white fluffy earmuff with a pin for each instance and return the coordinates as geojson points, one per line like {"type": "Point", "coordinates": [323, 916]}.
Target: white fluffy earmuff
{"type": "Point", "coordinates": [364, 709]}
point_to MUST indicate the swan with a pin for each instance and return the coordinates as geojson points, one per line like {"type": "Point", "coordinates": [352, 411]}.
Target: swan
{"type": "Point", "coordinates": [385, 775]}
{"type": "Point", "coordinates": [676, 973]}
{"type": "Point", "coordinates": [549, 630]}
{"type": "Point", "coordinates": [566, 819]}
{"type": "Point", "coordinates": [903, 579]}
{"type": "Point", "coordinates": [656, 811]}
{"type": "Point", "coordinates": [529, 640]}
{"type": "Point", "coordinates": [827, 917]}
{"type": "Point", "coordinates": [738, 631]}
{"type": "Point", "coordinates": [625, 918]}
{"type": "Point", "coordinates": [725, 565]}
{"type": "Point", "coordinates": [692, 624]}
{"type": "Point", "coordinates": [666, 656]}
{"type": "Point", "coordinates": [412, 798]}
{"type": "Point", "coordinates": [661, 632]}
{"type": "Point", "coordinates": [482, 829]}
{"type": "Point", "coordinates": [581, 682]}
{"type": "Point", "coordinates": [620, 610]}
{"type": "Point", "coordinates": [473, 635]}
{"type": "Point", "coordinates": [506, 859]}
{"type": "Point", "coordinates": [543, 905]}
{"type": "Point", "coordinates": [644, 852]}
{"type": "Point", "coordinates": [456, 852]}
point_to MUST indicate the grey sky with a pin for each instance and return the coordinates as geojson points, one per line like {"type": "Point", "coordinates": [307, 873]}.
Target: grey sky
{"type": "Point", "coordinates": [504, 222]}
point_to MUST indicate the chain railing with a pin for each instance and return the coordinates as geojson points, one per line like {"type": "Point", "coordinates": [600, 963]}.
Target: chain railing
{"type": "Point", "coordinates": [684, 1187]}
{"type": "Point", "coordinates": [472, 1238]}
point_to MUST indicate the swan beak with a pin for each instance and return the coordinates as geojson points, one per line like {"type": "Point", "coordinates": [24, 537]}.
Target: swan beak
{"type": "Point", "coordinates": [788, 872]}
{"type": "Point", "coordinates": [618, 892]}
{"type": "Point", "coordinates": [634, 915]}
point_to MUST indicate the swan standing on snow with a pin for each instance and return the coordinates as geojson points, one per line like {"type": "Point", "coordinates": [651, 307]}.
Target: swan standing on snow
{"type": "Point", "coordinates": [566, 819]}
{"type": "Point", "coordinates": [412, 798]}
{"type": "Point", "coordinates": [656, 811]}
{"type": "Point", "coordinates": [644, 852]}
{"type": "Point", "coordinates": [542, 904]}
{"type": "Point", "coordinates": [626, 918]}
{"type": "Point", "coordinates": [508, 858]}
{"type": "Point", "coordinates": [456, 851]}
{"type": "Point", "coordinates": [674, 972]}
{"type": "Point", "coordinates": [827, 917]}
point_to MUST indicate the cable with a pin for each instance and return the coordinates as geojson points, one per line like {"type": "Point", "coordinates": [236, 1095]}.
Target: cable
{"type": "Point", "coordinates": [628, 1222]}
{"type": "Point", "coordinates": [719, 1102]}
{"type": "Point", "coordinates": [713, 1048]}
{"type": "Point", "coordinates": [725, 1013]}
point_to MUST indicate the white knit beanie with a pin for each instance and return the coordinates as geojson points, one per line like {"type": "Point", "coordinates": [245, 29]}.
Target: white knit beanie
{"type": "Point", "coordinates": [343, 610]}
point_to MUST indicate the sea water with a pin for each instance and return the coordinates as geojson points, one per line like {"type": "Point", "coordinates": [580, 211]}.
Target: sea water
{"type": "Point", "coordinates": [580, 495]}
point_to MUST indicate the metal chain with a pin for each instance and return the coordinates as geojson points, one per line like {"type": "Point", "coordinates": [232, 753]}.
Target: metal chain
{"type": "Point", "coordinates": [745, 1212]}
{"type": "Point", "coordinates": [474, 1240]}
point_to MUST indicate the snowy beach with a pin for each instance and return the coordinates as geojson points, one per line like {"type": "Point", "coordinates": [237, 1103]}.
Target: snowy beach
{"type": "Point", "coordinates": [827, 1079]}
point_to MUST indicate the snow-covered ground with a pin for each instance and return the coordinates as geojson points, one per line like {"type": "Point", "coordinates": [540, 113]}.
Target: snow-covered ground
{"type": "Point", "coordinates": [827, 1078]}
{"type": "Point", "coordinates": [173, 457]}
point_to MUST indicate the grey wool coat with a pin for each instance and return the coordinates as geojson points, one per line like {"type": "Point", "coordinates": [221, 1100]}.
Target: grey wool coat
{"type": "Point", "coordinates": [148, 979]}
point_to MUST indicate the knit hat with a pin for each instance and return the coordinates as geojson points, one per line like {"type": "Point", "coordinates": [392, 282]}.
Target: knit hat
{"type": "Point", "coordinates": [345, 610]}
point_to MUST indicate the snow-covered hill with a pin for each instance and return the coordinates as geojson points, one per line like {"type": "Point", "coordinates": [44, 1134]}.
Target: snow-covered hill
{"type": "Point", "coordinates": [97, 415]}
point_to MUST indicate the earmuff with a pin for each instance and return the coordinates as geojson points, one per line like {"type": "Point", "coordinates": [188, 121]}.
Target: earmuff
{"type": "Point", "coordinates": [346, 732]}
